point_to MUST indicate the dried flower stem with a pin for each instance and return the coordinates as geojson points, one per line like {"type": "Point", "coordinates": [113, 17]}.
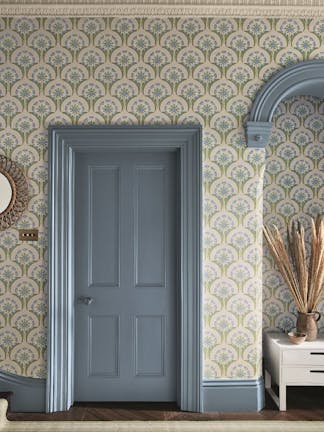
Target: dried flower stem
{"type": "Point", "coordinates": [305, 284]}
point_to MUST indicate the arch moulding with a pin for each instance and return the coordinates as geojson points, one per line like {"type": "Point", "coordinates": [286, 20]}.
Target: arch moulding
{"type": "Point", "coordinates": [306, 78]}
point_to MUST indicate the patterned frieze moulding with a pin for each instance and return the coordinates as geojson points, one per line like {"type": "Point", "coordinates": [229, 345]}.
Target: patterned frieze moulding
{"type": "Point", "coordinates": [202, 8]}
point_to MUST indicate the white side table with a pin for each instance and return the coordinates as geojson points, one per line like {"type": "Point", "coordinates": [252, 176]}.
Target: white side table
{"type": "Point", "coordinates": [288, 364]}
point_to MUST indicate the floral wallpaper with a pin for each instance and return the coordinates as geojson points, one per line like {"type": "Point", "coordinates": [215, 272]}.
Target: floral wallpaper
{"type": "Point", "coordinates": [293, 190]}
{"type": "Point", "coordinates": [146, 71]}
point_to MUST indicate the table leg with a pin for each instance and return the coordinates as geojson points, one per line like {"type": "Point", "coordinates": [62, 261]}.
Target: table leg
{"type": "Point", "coordinates": [267, 384]}
{"type": "Point", "coordinates": [282, 398]}
{"type": "Point", "coordinates": [267, 379]}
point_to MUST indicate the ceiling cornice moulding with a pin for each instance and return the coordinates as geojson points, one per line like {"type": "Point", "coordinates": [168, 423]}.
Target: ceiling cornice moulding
{"type": "Point", "coordinates": [201, 8]}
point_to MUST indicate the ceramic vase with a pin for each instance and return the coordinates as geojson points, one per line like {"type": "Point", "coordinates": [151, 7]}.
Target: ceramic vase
{"type": "Point", "coordinates": [307, 323]}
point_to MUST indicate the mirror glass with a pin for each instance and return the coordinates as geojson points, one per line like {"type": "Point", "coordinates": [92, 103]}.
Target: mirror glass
{"type": "Point", "coordinates": [5, 193]}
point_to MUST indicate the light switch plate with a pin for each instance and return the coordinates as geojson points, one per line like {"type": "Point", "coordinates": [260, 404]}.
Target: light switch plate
{"type": "Point", "coordinates": [28, 234]}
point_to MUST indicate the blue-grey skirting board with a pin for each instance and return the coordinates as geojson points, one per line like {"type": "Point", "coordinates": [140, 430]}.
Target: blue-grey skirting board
{"type": "Point", "coordinates": [28, 393]}
{"type": "Point", "coordinates": [233, 395]}
{"type": "Point", "coordinates": [218, 395]}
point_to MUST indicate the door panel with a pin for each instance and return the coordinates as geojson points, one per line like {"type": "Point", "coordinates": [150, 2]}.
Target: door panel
{"type": "Point", "coordinates": [103, 237]}
{"type": "Point", "coordinates": [149, 226]}
{"type": "Point", "coordinates": [103, 353]}
{"type": "Point", "coordinates": [149, 345]}
{"type": "Point", "coordinates": [125, 261]}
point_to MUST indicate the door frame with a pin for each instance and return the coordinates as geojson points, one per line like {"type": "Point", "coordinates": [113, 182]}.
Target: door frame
{"type": "Point", "coordinates": [64, 143]}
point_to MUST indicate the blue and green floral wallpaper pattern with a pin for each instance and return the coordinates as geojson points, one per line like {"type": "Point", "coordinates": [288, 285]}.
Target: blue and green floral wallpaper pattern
{"type": "Point", "coordinates": [146, 71]}
{"type": "Point", "coordinates": [293, 190]}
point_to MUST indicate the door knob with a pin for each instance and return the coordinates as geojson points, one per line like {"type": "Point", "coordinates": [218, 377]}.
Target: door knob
{"type": "Point", "coordinates": [85, 300]}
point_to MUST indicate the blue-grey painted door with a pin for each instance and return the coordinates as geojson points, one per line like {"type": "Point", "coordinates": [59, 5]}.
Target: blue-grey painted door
{"type": "Point", "coordinates": [126, 276]}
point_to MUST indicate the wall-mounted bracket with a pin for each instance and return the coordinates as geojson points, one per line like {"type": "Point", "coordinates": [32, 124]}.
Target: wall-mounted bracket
{"type": "Point", "coordinates": [258, 133]}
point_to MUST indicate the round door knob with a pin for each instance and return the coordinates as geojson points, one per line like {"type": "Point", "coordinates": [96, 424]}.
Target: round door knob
{"type": "Point", "coordinates": [85, 300]}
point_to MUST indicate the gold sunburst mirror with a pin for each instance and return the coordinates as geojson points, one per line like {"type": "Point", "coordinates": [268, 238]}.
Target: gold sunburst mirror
{"type": "Point", "coordinates": [13, 192]}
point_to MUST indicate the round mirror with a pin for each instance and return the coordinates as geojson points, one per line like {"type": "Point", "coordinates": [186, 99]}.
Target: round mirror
{"type": "Point", "coordinates": [5, 193]}
{"type": "Point", "coordinates": [13, 192]}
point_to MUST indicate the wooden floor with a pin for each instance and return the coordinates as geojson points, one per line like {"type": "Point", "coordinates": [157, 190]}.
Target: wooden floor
{"type": "Point", "coordinates": [304, 403]}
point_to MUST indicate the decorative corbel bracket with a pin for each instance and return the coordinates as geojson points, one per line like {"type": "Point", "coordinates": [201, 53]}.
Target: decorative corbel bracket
{"type": "Point", "coordinates": [306, 78]}
{"type": "Point", "coordinates": [258, 133]}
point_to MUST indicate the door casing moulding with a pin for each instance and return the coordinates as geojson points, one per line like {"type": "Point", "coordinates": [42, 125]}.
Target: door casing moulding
{"type": "Point", "coordinates": [64, 143]}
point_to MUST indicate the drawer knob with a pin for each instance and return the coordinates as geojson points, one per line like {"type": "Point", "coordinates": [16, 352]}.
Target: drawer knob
{"type": "Point", "coordinates": [317, 353]}
{"type": "Point", "coordinates": [317, 371]}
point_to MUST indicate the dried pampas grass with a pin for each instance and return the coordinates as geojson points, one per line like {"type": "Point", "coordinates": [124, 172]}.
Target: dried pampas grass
{"type": "Point", "coordinates": [304, 281]}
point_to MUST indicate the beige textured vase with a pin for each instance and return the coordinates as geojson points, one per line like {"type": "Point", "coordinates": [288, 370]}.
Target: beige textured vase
{"type": "Point", "coordinates": [307, 323]}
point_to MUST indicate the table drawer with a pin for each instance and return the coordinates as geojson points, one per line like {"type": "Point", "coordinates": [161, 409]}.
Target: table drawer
{"type": "Point", "coordinates": [309, 375]}
{"type": "Point", "coordinates": [306, 357]}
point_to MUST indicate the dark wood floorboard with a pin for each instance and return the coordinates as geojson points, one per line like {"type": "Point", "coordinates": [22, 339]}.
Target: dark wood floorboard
{"type": "Point", "coordinates": [304, 403]}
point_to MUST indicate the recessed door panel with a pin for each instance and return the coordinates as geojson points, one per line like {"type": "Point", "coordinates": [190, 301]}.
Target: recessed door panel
{"type": "Point", "coordinates": [125, 276]}
{"type": "Point", "coordinates": [103, 353]}
{"type": "Point", "coordinates": [103, 227]}
{"type": "Point", "coordinates": [150, 206]}
{"type": "Point", "coordinates": [149, 345]}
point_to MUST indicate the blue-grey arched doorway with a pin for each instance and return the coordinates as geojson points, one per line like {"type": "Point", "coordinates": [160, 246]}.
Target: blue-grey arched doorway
{"type": "Point", "coordinates": [306, 78]}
